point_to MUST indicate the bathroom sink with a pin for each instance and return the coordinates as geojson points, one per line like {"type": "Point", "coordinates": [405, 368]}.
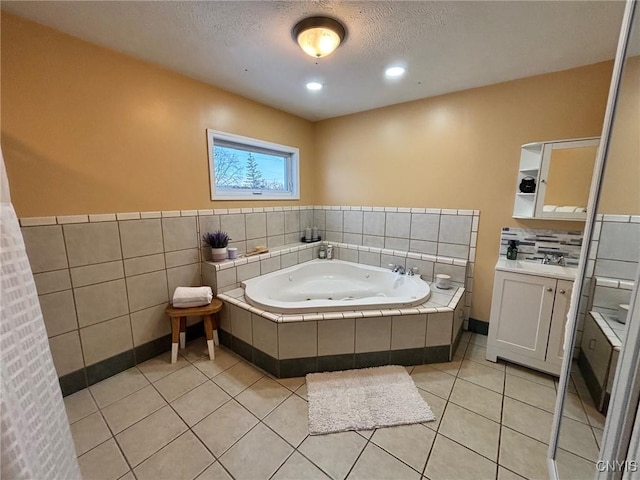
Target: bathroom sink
{"type": "Point", "coordinates": [531, 268]}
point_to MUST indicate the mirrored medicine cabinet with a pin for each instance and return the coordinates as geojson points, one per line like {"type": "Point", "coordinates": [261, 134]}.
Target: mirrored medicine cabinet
{"type": "Point", "coordinates": [554, 179]}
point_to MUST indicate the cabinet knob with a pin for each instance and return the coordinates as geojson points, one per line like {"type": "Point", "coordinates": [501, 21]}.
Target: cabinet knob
{"type": "Point", "coordinates": [562, 292]}
{"type": "Point", "coordinates": [549, 289]}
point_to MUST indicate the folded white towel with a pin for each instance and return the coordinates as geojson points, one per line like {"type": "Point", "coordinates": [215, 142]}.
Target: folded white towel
{"type": "Point", "coordinates": [186, 297]}
{"type": "Point", "coordinates": [549, 208]}
{"type": "Point", "coordinates": [567, 209]}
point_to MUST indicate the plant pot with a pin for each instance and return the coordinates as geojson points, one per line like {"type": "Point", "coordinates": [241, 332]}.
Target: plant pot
{"type": "Point", "coordinates": [219, 254]}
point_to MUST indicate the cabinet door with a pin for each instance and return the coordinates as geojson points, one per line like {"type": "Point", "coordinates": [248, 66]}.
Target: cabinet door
{"type": "Point", "coordinates": [555, 350]}
{"type": "Point", "coordinates": [521, 313]}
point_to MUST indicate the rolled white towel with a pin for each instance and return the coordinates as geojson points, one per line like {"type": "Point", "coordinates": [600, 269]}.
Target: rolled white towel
{"type": "Point", "coordinates": [186, 297]}
{"type": "Point", "coordinates": [549, 208]}
{"type": "Point", "coordinates": [567, 209]}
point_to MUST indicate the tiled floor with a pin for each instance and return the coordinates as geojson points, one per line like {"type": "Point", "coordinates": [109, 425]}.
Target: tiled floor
{"type": "Point", "coordinates": [226, 419]}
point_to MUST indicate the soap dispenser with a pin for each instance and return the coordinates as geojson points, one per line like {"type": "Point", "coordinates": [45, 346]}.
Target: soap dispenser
{"type": "Point", "coordinates": [512, 250]}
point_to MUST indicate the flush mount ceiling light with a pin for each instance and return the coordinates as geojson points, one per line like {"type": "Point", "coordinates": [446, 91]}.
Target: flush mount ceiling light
{"type": "Point", "coordinates": [394, 72]}
{"type": "Point", "coordinates": [318, 36]}
{"type": "Point", "coordinates": [314, 86]}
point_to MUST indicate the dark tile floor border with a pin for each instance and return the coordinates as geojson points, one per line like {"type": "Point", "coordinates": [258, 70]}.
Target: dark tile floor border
{"type": "Point", "coordinates": [298, 367]}
{"type": "Point", "coordinates": [594, 387]}
{"type": "Point", "coordinates": [478, 326]}
{"type": "Point", "coordinates": [92, 374]}
{"type": "Point", "coordinates": [295, 367]}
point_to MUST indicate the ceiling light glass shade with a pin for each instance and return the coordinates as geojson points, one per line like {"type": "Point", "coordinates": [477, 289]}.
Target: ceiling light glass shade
{"type": "Point", "coordinates": [314, 86]}
{"type": "Point", "coordinates": [319, 36]}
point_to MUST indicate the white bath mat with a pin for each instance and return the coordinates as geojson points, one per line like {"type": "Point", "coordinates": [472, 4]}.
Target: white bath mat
{"type": "Point", "coordinates": [364, 399]}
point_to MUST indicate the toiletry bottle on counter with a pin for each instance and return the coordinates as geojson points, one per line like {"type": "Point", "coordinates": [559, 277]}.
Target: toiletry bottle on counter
{"type": "Point", "coordinates": [314, 234]}
{"type": "Point", "coordinates": [322, 252]}
{"type": "Point", "coordinates": [329, 252]}
{"type": "Point", "coordinates": [512, 250]}
{"type": "Point", "coordinates": [307, 234]}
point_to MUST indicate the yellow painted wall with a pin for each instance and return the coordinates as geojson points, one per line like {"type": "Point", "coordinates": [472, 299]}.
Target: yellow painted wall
{"type": "Point", "coordinates": [88, 130]}
{"type": "Point", "coordinates": [621, 184]}
{"type": "Point", "coordinates": [459, 151]}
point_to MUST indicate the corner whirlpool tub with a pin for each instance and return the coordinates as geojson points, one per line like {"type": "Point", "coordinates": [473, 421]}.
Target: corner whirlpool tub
{"type": "Point", "coordinates": [334, 285]}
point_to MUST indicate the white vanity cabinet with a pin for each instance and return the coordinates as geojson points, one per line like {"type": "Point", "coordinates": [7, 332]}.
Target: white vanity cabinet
{"type": "Point", "coordinates": [528, 316]}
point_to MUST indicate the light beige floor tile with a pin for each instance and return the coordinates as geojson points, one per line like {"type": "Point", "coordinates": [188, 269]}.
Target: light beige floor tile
{"type": "Point", "coordinates": [180, 382]}
{"type": "Point", "coordinates": [161, 366]}
{"type": "Point", "coordinates": [89, 432]}
{"type": "Point", "coordinates": [471, 430]}
{"type": "Point", "coordinates": [366, 433]}
{"type": "Point", "coordinates": [478, 354]}
{"type": "Point", "coordinates": [595, 418]}
{"type": "Point", "coordinates": [449, 460]}
{"type": "Point", "coordinates": [263, 396]}
{"type": "Point", "coordinates": [292, 383]}
{"type": "Point", "coordinates": [451, 367]}
{"type": "Point", "coordinates": [257, 455]}
{"type": "Point", "coordinates": [128, 476]}
{"type": "Point", "coordinates": [104, 462]}
{"type": "Point", "coordinates": [437, 405]}
{"type": "Point", "coordinates": [184, 459]}
{"type": "Point", "coordinates": [574, 408]}
{"type": "Point", "coordinates": [466, 336]}
{"type": "Point", "coordinates": [487, 377]}
{"type": "Point", "coordinates": [193, 406]}
{"type": "Point", "coordinates": [531, 393]}
{"type": "Point", "coordinates": [197, 349]}
{"type": "Point", "coordinates": [214, 472]}
{"type": "Point", "coordinates": [504, 474]}
{"type": "Point", "coordinates": [290, 420]}
{"type": "Point", "coordinates": [149, 435]}
{"type": "Point", "coordinates": [578, 438]}
{"type": "Point", "coordinates": [375, 463]}
{"type": "Point", "coordinates": [477, 399]}
{"type": "Point", "coordinates": [478, 339]}
{"type": "Point", "coordinates": [223, 361]}
{"type": "Point", "coordinates": [433, 381]}
{"type": "Point", "coordinates": [524, 418]}
{"type": "Point", "coordinates": [523, 455]}
{"type": "Point", "coordinates": [224, 427]}
{"type": "Point", "coordinates": [297, 467]}
{"type": "Point", "coordinates": [237, 378]}
{"type": "Point", "coordinates": [117, 387]}
{"type": "Point", "coordinates": [571, 466]}
{"type": "Point", "coordinates": [531, 375]}
{"type": "Point", "coordinates": [128, 410]}
{"type": "Point", "coordinates": [79, 405]}
{"type": "Point", "coordinates": [461, 349]}
{"type": "Point", "coordinates": [409, 443]}
{"type": "Point", "coordinates": [597, 433]}
{"type": "Point", "coordinates": [409, 369]}
{"type": "Point", "coordinates": [335, 453]}
{"type": "Point", "coordinates": [302, 391]}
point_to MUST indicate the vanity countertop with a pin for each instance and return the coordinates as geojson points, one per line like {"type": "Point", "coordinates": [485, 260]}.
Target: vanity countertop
{"type": "Point", "coordinates": [532, 268]}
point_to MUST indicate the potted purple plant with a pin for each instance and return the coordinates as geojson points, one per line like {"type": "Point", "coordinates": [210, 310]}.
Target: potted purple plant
{"type": "Point", "coordinates": [218, 242]}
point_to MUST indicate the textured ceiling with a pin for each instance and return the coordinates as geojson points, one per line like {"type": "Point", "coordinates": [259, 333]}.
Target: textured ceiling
{"type": "Point", "coordinates": [246, 46]}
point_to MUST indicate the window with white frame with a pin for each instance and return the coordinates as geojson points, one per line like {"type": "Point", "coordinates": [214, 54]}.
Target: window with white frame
{"type": "Point", "coordinates": [243, 168]}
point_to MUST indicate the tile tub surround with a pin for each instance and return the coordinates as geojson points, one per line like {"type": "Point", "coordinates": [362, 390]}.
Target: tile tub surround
{"type": "Point", "coordinates": [294, 345]}
{"type": "Point", "coordinates": [129, 263]}
{"type": "Point", "coordinates": [613, 262]}
{"type": "Point", "coordinates": [533, 244]}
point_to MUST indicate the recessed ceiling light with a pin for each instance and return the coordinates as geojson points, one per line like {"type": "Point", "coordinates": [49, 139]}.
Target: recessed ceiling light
{"type": "Point", "coordinates": [395, 72]}
{"type": "Point", "coordinates": [314, 86]}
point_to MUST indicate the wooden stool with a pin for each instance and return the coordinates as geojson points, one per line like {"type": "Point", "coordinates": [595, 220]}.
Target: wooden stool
{"type": "Point", "coordinates": [179, 325]}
